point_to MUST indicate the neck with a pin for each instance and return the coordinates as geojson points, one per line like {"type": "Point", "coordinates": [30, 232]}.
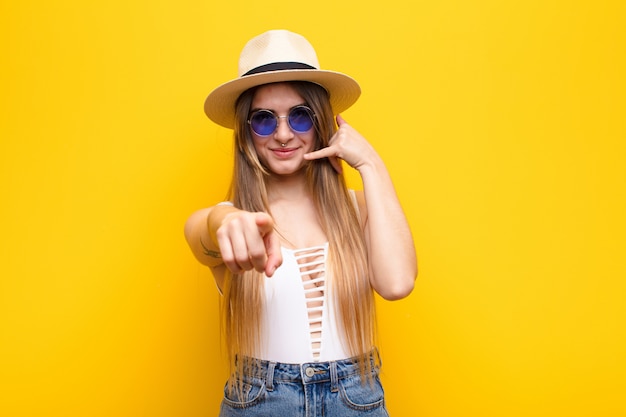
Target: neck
{"type": "Point", "coordinates": [291, 187]}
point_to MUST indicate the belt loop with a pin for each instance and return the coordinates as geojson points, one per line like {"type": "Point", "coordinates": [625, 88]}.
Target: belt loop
{"type": "Point", "coordinates": [269, 378]}
{"type": "Point", "coordinates": [334, 384]}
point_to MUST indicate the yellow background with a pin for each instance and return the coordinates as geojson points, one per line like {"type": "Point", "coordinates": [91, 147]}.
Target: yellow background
{"type": "Point", "coordinates": [503, 125]}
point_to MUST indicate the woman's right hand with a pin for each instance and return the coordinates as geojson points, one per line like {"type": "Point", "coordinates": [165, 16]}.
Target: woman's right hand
{"type": "Point", "coordinates": [247, 241]}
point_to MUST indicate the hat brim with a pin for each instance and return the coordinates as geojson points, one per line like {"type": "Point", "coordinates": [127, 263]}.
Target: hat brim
{"type": "Point", "coordinates": [219, 106]}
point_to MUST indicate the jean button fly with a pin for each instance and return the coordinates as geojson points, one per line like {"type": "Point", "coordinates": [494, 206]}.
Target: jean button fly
{"type": "Point", "coordinates": [309, 372]}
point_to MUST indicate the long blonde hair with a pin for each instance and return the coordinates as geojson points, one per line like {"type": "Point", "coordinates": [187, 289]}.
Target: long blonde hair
{"type": "Point", "coordinates": [348, 262]}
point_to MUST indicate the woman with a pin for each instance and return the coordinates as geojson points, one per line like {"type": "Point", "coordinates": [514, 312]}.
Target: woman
{"type": "Point", "coordinates": [295, 254]}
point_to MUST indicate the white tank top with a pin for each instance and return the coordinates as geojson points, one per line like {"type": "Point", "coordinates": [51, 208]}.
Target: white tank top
{"type": "Point", "coordinates": [300, 324]}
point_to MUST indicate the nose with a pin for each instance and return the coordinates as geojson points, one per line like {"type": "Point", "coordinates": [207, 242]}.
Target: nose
{"type": "Point", "coordinates": [283, 130]}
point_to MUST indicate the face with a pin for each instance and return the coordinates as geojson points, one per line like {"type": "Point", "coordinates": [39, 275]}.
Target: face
{"type": "Point", "coordinates": [281, 151]}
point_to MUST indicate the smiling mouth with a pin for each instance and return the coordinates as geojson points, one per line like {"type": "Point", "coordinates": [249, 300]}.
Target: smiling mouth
{"type": "Point", "coordinates": [284, 153]}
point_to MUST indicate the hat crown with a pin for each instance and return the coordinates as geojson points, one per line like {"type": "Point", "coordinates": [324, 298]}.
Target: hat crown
{"type": "Point", "coordinates": [276, 46]}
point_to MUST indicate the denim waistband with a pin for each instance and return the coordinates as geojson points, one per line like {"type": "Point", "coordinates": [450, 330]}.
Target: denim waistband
{"type": "Point", "coordinates": [308, 373]}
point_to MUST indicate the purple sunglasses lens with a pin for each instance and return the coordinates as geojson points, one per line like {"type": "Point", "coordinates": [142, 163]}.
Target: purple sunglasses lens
{"type": "Point", "coordinates": [263, 122]}
{"type": "Point", "coordinates": [301, 119]}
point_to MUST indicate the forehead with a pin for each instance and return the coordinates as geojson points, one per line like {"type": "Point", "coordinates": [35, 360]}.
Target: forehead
{"type": "Point", "coordinates": [276, 96]}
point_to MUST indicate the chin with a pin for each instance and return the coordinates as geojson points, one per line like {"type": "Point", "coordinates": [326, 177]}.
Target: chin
{"type": "Point", "coordinates": [286, 170]}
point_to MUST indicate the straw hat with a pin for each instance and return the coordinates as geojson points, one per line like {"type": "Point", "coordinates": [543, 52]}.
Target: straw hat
{"type": "Point", "coordinates": [274, 56]}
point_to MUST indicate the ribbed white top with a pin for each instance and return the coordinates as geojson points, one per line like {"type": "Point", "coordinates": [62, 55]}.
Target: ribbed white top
{"type": "Point", "coordinates": [300, 323]}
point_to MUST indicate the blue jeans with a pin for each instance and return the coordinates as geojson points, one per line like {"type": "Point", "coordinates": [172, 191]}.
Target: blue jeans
{"type": "Point", "coordinates": [332, 389]}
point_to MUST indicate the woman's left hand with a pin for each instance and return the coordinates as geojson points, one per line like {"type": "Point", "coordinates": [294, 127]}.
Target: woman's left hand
{"type": "Point", "coordinates": [346, 144]}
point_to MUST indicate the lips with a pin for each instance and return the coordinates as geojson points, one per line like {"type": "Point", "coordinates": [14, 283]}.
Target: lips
{"type": "Point", "coordinates": [284, 153]}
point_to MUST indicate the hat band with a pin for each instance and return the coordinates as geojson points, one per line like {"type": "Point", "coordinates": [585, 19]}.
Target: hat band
{"type": "Point", "coordinates": [278, 66]}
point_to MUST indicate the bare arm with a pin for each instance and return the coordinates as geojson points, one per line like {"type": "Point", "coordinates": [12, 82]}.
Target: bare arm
{"type": "Point", "coordinates": [225, 238]}
{"type": "Point", "coordinates": [389, 240]}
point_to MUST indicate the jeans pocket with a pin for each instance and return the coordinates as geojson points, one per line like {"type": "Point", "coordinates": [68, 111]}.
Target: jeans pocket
{"type": "Point", "coordinates": [362, 396]}
{"type": "Point", "coordinates": [244, 393]}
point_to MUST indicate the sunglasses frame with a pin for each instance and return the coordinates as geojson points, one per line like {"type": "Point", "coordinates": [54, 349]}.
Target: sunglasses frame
{"type": "Point", "coordinates": [301, 106]}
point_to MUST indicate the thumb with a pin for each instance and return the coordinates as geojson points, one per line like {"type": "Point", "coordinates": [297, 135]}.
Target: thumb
{"type": "Point", "coordinates": [340, 120]}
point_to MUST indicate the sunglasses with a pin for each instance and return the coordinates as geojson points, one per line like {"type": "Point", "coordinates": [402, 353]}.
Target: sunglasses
{"type": "Point", "coordinates": [265, 122]}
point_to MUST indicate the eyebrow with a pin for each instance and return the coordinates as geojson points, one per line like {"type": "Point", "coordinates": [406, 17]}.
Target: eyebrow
{"type": "Point", "coordinates": [274, 111]}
